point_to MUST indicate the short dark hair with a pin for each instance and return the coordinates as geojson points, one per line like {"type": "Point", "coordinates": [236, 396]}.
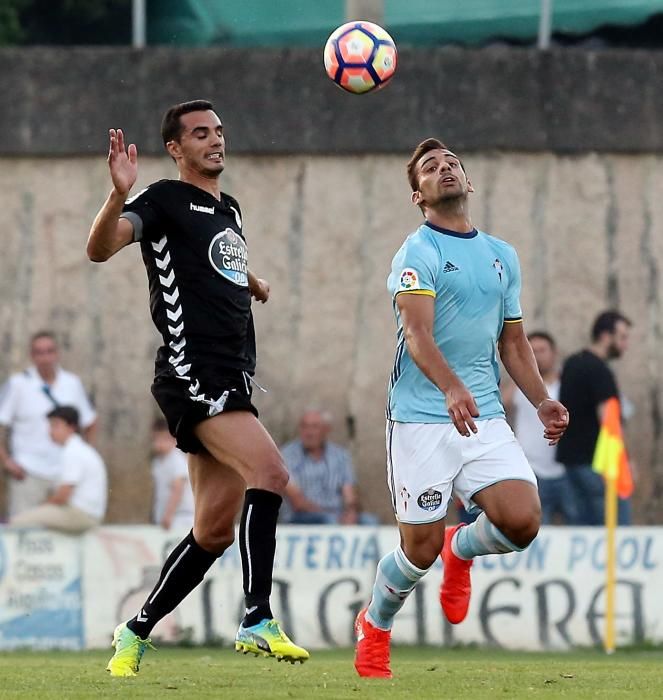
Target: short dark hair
{"type": "Point", "coordinates": [43, 334]}
{"type": "Point", "coordinates": [423, 148]}
{"type": "Point", "coordinates": [544, 335]}
{"type": "Point", "coordinates": [160, 425]}
{"type": "Point", "coordinates": [606, 322]}
{"type": "Point", "coordinates": [171, 126]}
{"type": "Point", "coordinates": [68, 414]}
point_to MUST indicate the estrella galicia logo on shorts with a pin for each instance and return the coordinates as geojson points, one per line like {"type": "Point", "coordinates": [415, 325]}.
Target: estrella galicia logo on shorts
{"type": "Point", "coordinates": [430, 500]}
{"type": "Point", "coordinates": [229, 257]}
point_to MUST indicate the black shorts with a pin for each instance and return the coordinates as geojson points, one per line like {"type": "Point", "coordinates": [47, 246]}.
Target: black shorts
{"type": "Point", "coordinates": [209, 392]}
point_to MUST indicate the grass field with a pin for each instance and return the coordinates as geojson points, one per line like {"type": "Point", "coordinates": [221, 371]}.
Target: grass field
{"type": "Point", "coordinates": [419, 673]}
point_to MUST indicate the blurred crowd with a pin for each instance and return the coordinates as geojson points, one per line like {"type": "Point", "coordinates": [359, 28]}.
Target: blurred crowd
{"type": "Point", "coordinates": [57, 479]}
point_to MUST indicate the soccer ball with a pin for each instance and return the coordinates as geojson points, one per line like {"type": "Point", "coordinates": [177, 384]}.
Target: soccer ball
{"type": "Point", "coordinates": [360, 57]}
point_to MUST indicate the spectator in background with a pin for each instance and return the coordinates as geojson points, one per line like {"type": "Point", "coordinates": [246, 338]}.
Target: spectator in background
{"type": "Point", "coordinates": [587, 383]}
{"type": "Point", "coordinates": [28, 454]}
{"type": "Point", "coordinates": [173, 498]}
{"type": "Point", "coordinates": [554, 490]}
{"type": "Point", "coordinates": [322, 487]}
{"type": "Point", "coordinates": [78, 502]}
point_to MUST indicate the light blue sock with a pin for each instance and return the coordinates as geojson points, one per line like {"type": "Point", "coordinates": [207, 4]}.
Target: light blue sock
{"type": "Point", "coordinates": [481, 537]}
{"type": "Point", "coordinates": [395, 579]}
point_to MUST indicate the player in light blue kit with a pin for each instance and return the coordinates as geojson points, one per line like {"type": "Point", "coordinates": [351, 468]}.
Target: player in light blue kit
{"type": "Point", "coordinates": [456, 298]}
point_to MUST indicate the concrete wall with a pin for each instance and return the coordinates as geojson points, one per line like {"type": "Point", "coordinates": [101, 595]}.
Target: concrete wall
{"type": "Point", "coordinates": [323, 231]}
{"type": "Point", "coordinates": [61, 101]}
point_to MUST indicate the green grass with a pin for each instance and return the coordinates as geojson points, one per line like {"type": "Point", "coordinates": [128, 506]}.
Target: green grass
{"type": "Point", "coordinates": [419, 673]}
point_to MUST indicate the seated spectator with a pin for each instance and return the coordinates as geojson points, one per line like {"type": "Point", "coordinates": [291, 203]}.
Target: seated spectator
{"type": "Point", "coordinates": [322, 487]}
{"type": "Point", "coordinates": [78, 501]}
{"type": "Point", "coordinates": [173, 498]}
{"type": "Point", "coordinates": [27, 453]}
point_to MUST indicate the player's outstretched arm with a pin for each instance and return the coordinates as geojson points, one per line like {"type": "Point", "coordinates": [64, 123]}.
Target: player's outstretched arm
{"type": "Point", "coordinates": [417, 316]}
{"type": "Point", "coordinates": [110, 233]}
{"type": "Point", "coordinates": [518, 359]}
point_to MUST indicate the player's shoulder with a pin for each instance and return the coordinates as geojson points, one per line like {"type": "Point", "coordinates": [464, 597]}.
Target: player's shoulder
{"type": "Point", "coordinates": [503, 250]}
{"type": "Point", "coordinates": [498, 243]}
{"type": "Point", "coordinates": [420, 240]}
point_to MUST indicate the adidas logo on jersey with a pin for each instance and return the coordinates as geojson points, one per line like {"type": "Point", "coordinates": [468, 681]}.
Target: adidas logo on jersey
{"type": "Point", "coordinates": [201, 209]}
{"type": "Point", "coordinates": [450, 267]}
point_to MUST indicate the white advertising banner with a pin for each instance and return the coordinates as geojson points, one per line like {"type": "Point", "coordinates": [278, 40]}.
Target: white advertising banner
{"type": "Point", "coordinates": [550, 596]}
{"type": "Point", "coordinates": [40, 590]}
{"type": "Point", "coordinates": [70, 592]}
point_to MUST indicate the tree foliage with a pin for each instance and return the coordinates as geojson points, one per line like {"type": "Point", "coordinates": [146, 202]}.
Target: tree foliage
{"type": "Point", "coordinates": [65, 22]}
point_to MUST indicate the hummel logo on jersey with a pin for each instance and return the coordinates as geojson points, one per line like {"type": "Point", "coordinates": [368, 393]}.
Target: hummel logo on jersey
{"type": "Point", "coordinates": [450, 267]}
{"type": "Point", "coordinates": [201, 209]}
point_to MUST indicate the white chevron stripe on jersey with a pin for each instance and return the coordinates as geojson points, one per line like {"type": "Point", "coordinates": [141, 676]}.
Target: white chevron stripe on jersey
{"type": "Point", "coordinates": [194, 387]}
{"type": "Point", "coordinates": [176, 330]}
{"type": "Point", "coordinates": [176, 360]}
{"type": "Point", "coordinates": [163, 264]}
{"type": "Point", "coordinates": [183, 369]}
{"type": "Point", "coordinates": [176, 347]}
{"type": "Point", "coordinates": [167, 281]}
{"type": "Point", "coordinates": [172, 298]}
{"type": "Point", "coordinates": [175, 314]}
{"type": "Point", "coordinates": [159, 246]}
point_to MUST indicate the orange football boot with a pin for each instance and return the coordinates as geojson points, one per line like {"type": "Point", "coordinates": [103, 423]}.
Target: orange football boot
{"type": "Point", "coordinates": [372, 649]}
{"type": "Point", "coordinates": [456, 586]}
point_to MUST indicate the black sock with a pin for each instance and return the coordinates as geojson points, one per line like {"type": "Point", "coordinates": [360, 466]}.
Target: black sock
{"type": "Point", "coordinates": [184, 569]}
{"type": "Point", "coordinates": [257, 544]}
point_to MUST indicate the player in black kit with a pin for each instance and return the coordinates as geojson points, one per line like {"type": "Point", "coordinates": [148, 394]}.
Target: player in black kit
{"type": "Point", "coordinates": [194, 250]}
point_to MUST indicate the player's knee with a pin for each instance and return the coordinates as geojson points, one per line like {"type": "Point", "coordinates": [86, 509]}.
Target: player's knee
{"type": "Point", "coordinates": [215, 539]}
{"type": "Point", "coordinates": [522, 528]}
{"type": "Point", "coordinates": [423, 553]}
{"type": "Point", "coordinates": [273, 476]}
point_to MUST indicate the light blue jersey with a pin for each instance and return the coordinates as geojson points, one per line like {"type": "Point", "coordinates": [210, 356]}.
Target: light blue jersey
{"type": "Point", "coordinates": [475, 280]}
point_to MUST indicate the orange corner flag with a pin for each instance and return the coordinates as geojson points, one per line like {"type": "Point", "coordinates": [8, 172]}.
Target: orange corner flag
{"type": "Point", "coordinates": [610, 458]}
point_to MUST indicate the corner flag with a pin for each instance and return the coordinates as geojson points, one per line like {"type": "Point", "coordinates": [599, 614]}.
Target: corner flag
{"type": "Point", "coordinates": [610, 458]}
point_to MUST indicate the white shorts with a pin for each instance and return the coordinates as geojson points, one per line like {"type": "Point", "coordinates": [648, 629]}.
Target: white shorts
{"type": "Point", "coordinates": [427, 462]}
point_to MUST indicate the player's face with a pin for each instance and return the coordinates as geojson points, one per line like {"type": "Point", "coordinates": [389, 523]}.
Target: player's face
{"type": "Point", "coordinates": [44, 355]}
{"type": "Point", "coordinates": [201, 146]}
{"type": "Point", "coordinates": [440, 177]}
{"type": "Point", "coordinates": [619, 340]}
{"type": "Point", "coordinates": [544, 354]}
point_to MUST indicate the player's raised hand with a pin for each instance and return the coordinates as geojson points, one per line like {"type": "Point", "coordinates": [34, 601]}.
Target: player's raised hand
{"type": "Point", "coordinates": [462, 409]}
{"type": "Point", "coordinates": [555, 419]}
{"type": "Point", "coordinates": [122, 161]}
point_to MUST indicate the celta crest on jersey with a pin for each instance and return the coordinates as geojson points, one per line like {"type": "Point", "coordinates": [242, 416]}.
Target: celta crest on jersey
{"type": "Point", "coordinates": [229, 257]}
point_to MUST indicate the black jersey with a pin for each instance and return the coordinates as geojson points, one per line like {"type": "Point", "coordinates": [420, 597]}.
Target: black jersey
{"type": "Point", "coordinates": [196, 260]}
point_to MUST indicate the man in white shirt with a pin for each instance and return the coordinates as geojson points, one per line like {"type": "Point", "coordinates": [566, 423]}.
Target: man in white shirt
{"type": "Point", "coordinates": [79, 499]}
{"type": "Point", "coordinates": [554, 491]}
{"type": "Point", "coordinates": [30, 457]}
{"type": "Point", "coordinates": [173, 498]}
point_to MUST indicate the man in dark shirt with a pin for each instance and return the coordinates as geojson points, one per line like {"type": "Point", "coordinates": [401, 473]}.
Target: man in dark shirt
{"type": "Point", "coordinates": [195, 254]}
{"type": "Point", "coordinates": [587, 383]}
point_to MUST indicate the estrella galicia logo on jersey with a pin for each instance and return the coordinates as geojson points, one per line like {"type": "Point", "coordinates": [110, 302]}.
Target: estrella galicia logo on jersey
{"type": "Point", "coordinates": [430, 500]}
{"type": "Point", "coordinates": [498, 268]}
{"type": "Point", "coordinates": [409, 279]}
{"type": "Point", "coordinates": [229, 257]}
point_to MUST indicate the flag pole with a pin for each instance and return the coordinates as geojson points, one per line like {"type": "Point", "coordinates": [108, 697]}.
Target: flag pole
{"type": "Point", "coordinates": [611, 563]}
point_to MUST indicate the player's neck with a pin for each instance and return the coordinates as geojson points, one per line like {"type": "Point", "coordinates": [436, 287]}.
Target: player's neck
{"type": "Point", "coordinates": [453, 216]}
{"type": "Point", "coordinates": [550, 377]}
{"type": "Point", "coordinates": [207, 184]}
